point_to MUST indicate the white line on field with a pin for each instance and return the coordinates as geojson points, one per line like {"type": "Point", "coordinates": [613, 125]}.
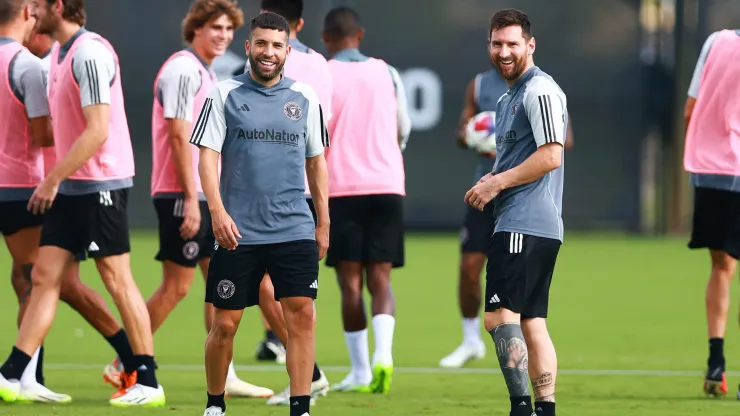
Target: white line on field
{"type": "Point", "coordinates": [413, 370]}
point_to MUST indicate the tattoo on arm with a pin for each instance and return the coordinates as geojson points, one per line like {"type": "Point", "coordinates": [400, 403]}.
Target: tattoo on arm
{"type": "Point", "coordinates": [544, 388]}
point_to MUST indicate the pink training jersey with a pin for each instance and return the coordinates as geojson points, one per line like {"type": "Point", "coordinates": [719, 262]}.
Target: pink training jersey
{"type": "Point", "coordinates": [115, 159]}
{"type": "Point", "coordinates": [164, 174]}
{"type": "Point", "coordinates": [21, 161]}
{"type": "Point", "coordinates": [310, 67]}
{"type": "Point", "coordinates": [365, 156]}
{"type": "Point", "coordinates": [713, 135]}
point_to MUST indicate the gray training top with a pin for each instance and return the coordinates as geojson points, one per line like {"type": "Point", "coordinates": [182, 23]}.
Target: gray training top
{"type": "Point", "coordinates": [264, 135]}
{"type": "Point", "coordinates": [489, 87]}
{"type": "Point", "coordinates": [532, 113]}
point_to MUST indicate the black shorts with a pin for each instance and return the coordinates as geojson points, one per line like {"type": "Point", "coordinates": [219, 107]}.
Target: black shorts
{"type": "Point", "coordinates": [94, 225]}
{"type": "Point", "coordinates": [234, 276]}
{"type": "Point", "coordinates": [309, 201]}
{"type": "Point", "coordinates": [519, 273]}
{"type": "Point", "coordinates": [716, 221]}
{"type": "Point", "coordinates": [475, 236]}
{"type": "Point", "coordinates": [172, 246]}
{"type": "Point", "coordinates": [15, 216]}
{"type": "Point", "coordinates": [366, 229]}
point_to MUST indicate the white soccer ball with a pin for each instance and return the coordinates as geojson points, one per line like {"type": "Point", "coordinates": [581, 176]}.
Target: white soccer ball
{"type": "Point", "coordinates": [480, 133]}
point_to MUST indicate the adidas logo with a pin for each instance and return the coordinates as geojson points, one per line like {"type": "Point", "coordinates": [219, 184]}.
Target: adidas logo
{"type": "Point", "coordinates": [315, 285]}
{"type": "Point", "coordinates": [93, 247]}
{"type": "Point", "coordinates": [494, 299]}
{"type": "Point", "coordinates": [244, 107]}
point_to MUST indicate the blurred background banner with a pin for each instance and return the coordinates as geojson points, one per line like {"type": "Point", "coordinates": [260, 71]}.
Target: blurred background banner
{"type": "Point", "coordinates": [624, 65]}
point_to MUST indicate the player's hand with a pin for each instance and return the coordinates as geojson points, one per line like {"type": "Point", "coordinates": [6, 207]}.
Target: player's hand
{"type": "Point", "coordinates": [485, 177]}
{"type": "Point", "coordinates": [43, 197]}
{"type": "Point", "coordinates": [483, 192]}
{"type": "Point", "coordinates": [191, 218]}
{"type": "Point", "coordinates": [224, 229]}
{"type": "Point", "coordinates": [322, 239]}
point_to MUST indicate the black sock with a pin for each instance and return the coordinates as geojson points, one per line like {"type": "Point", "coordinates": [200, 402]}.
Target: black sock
{"type": "Point", "coordinates": [299, 405]}
{"type": "Point", "coordinates": [521, 406]}
{"type": "Point", "coordinates": [119, 342]}
{"type": "Point", "coordinates": [716, 353]}
{"type": "Point", "coordinates": [145, 372]}
{"type": "Point", "coordinates": [544, 408]}
{"type": "Point", "coordinates": [40, 367]}
{"type": "Point", "coordinates": [270, 336]}
{"type": "Point", "coordinates": [15, 365]}
{"type": "Point", "coordinates": [217, 400]}
{"type": "Point", "coordinates": [316, 372]}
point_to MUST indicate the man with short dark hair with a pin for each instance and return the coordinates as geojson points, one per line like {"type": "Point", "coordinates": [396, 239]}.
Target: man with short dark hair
{"type": "Point", "coordinates": [268, 130]}
{"type": "Point", "coordinates": [527, 183]}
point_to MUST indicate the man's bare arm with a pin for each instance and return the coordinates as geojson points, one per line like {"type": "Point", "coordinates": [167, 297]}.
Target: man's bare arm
{"type": "Point", "coordinates": [318, 184]}
{"type": "Point", "coordinates": [89, 142]}
{"type": "Point", "coordinates": [208, 171]}
{"type": "Point", "coordinates": [41, 132]}
{"type": "Point", "coordinates": [468, 111]}
{"type": "Point", "coordinates": [178, 136]}
{"type": "Point", "coordinates": [547, 158]}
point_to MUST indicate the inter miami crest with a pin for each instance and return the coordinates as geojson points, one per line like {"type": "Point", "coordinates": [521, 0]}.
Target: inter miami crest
{"type": "Point", "coordinates": [292, 111]}
{"type": "Point", "coordinates": [225, 289]}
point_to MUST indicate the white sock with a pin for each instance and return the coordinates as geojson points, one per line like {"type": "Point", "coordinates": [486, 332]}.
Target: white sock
{"type": "Point", "coordinates": [231, 375]}
{"type": "Point", "coordinates": [383, 326]}
{"type": "Point", "coordinates": [29, 374]}
{"type": "Point", "coordinates": [359, 355]}
{"type": "Point", "coordinates": [471, 332]}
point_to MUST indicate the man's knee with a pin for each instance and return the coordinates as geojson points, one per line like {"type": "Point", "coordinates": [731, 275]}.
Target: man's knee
{"type": "Point", "coordinates": [378, 278]}
{"type": "Point", "coordinates": [299, 313]}
{"type": "Point", "coordinates": [116, 274]}
{"type": "Point", "coordinates": [495, 318]}
{"type": "Point", "coordinates": [723, 264]}
{"type": "Point", "coordinates": [350, 284]}
{"type": "Point", "coordinates": [471, 265]}
{"type": "Point", "coordinates": [224, 325]}
{"type": "Point", "coordinates": [177, 283]}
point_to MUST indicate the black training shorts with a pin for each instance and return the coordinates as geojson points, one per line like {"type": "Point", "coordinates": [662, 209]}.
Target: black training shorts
{"type": "Point", "coordinates": [477, 230]}
{"type": "Point", "coordinates": [15, 216]}
{"type": "Point", "coordinates": [519, 273]}
{"type": "Point", "coordinates": [172, 246]}
{"type": "Point", "coordinates": [716, 222]}
{"type": "Point", "coordinates": [366, 229]}
{"type": "Point", "coordinates": [234, 276]}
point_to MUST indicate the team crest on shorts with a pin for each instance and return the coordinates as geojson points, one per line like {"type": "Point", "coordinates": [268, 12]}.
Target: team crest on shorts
{"type": "Point", "coordinates": [190, 250]}
{"type": "Point", "coordinates": [293, 111]}
{"type": "Point", "coordinates": [225, 289]}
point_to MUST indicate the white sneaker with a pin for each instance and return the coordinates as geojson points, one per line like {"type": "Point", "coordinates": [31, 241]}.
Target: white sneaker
{"type": "Point", "coordinates": [214, 411]}
{"type": "Point", "coordinates": [351, 384]}
{"type": "Point", "coordinates": [9, 390]}
{"type": "Point", "coordinates": [140, 395]}
{"type": "Point", "coordinates": [38, 393]}
{"type": "Point", "coordinates": [236, 387]}
{"type": "Point", "coordinates": [463, 354]}
{"type": "Point", "coordinates": [318, 388]}
{"type": "Point", "coordinates": [278, 350]}
{"type": "Point", "coordinates": [112, 373]}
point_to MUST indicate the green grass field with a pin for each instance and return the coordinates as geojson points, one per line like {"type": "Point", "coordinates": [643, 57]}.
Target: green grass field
{"type": "Point", "coordinates": [627, 318]}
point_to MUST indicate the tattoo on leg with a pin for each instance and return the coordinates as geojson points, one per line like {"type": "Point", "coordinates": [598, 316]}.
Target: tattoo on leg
{"type": "Point", "coordinates": [544, 388]}
{"type": "Point", "coordinates": [511, 350]}
{"type": "Point", "coordinates": [24, 296]}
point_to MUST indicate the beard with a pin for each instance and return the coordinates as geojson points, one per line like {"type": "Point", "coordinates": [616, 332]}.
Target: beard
{"type": "Point", "coordinates": [46, 26]}
{"type": "Point", "coordinates": [265, 76]}
{"type": "Point", "coordinates": [511, 72]}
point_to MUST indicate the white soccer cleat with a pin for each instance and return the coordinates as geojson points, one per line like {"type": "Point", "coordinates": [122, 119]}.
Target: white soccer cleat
{"type": "Point", "coordinates": [351, 384]}
{"type": "Point", "coordinates": [112, 373]}
{"type": "Point", "coordinates": [462, 355]}
{"type": "Point", "coordinates": [37, 393]}
{"type": "Point", "coordinates": [278, 350]}
{"type": "Point", "coordinates": [236, 387]}
{"type": "Point", "coordinates": [141, 396]}
{"type": "Point", "coordinates": [214, 411]}
{"type": "Point", "coordinates": [9, 389]}
{"type": "Point", "coordinates": [319, 387]}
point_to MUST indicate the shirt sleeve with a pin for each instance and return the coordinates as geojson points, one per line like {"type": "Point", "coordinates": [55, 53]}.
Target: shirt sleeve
{"type": "Point", "coordinates": [210, 128]}
{"type": "Point", "coordinates": [699, 68]}
{"type": "Point", "coordinates": [404, 121]}
{"type": "Point", "coordinates": [28, 74]}
{"type": "Point", "coordinates": [177, 88]}
{"type": "Point", "coordinates": [545, 105]}
{"type": "Point", "coordinates": [94, 69]}
{"type": "Point", "coordinates": [317, 137]}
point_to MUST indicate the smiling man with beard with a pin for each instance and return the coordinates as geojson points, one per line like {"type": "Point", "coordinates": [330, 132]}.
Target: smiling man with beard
{"type": "Point", "coordinates": [268, 130]}
{"type": "Point", "coordinates": [527, 183]}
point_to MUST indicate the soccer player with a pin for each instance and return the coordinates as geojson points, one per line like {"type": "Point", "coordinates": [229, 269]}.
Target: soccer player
{"type": "Point", "coordinates": [371, 126]}
{"type": "Point", "coordinates": [269, 130]}
{"type": "Point", "coordinates": [482, 94]}
{"type": "Point", "coordinates": [711, 157]}
{"type": "Point", "coordinates": [84, 198]}
{"type": "Point", "coordinates": [309, 67]}
{"type": "Point", "coordinates": [185, 236]}
{"type": "Point", "coordinates": [527, 184]}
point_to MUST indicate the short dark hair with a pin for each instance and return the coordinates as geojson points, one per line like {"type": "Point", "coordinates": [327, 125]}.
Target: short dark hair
{"type": "Point", "coordinates": [203, 11]}
{"type": "Point", "coordinates": [269, 20]}
{"type": "Point", "coordinates": [291, 10]}
{"type": "Point", "coordinates": [9, 10]}
{"type": "Point", "coordinates": [74, 11]}
{"type": "Point", "coordinates": [511, 17]}
{"type": "Point", "coordinates": [342, 22]}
